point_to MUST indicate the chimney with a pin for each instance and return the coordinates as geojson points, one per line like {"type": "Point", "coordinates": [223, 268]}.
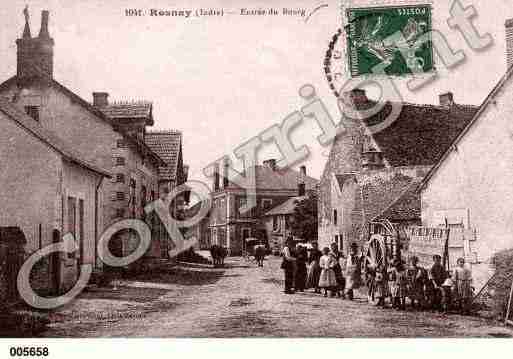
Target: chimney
{"type": "Point", "coordinates": [43, 32]}
{"type": "Point", "coordinates": [35, 55]}
{"type": "Point", "coordinates": [26, 30]}
{"type": "Point", "coordinates": [216, 176]}
{"type": "Point", "coordinates": [509, 43]}
{"type": "Point", "coordinates": [270, 163]}
{"type": "Point", "coordinates": [301, 187]}
{"type": "Point", "coordinates": [226, 172]}
{"type": "Point", "coordinates": [100, 99]}
{"type": "Point", "coordinates": [446, 99]}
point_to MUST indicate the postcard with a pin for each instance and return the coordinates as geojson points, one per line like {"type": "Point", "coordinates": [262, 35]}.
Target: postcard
{"type": "Point", "coordinates": [255, 169]}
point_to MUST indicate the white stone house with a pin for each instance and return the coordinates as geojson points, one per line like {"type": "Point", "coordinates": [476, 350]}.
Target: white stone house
{"type": "Point", "coordinates": [47, 185]}
{"type": "Point", "coordinates": [472, 184]}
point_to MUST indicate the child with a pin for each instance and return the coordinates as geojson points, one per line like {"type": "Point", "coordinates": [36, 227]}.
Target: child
{"type": "Point", "coordinates": [447, 294]}
{"type": "Point", "coordinates": [327, 280]}
{"type": "Point", "coordinates": [380, 286]}
{"type": "Point", "coordinates": [462, 286]}
{"type": "Point", "coordinates": [437, 276]}
{"type": "Point", "coordinates": [417, 278]}
{"type": "Point", "coordinates": [398, 283]}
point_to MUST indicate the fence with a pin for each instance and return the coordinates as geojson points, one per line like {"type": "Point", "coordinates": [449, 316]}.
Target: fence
{"type": "Point", "coordinates": [424, 242]}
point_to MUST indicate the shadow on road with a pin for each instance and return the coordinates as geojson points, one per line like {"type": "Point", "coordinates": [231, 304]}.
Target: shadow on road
{"type": "Point", "coordinates": [181, 276]}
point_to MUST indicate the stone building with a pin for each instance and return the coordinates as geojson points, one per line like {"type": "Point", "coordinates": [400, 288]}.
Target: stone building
{"type": "Point", "coordinates": [278, 221]}
{"type": "Point", "coordinates": [168, 146]}
{"type": "Point", "coordinates": [200, 230]}
{"type": "Point", "coordinates": [471, 185]}
{"type": "Point", "coordinates": [229, 226]}
{"type": "Point", "coordinates": [367, 173]}
{"type": "Point", "coordinates": [111, 135]}
{"type": "Point", "coordinates": [46, 186]}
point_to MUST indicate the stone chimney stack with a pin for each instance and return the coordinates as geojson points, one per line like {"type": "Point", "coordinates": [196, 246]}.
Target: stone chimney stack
{"type": "Point", "coordinates": [226, 172]}
{"type": "Point", "coordinates": [35, 55]}
{"type": "Point", "coordinates": [216, 177]}
{"type": "Point", "coordinates": [446, 99]}
{"type": "Point", "coordinates": [301, 187]}
{"type": "Point", "coordinates": [100, 99]}
{"type": "Point", "coordinates": [43, 32]}
{"type": "Point", "coordinates": [509, 43]}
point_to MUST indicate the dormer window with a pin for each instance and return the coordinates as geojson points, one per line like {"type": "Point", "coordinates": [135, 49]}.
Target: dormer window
{"type": "Point", "coordinates": [33, 111]}
{"type": "Point", "coordinates": [372, 159]}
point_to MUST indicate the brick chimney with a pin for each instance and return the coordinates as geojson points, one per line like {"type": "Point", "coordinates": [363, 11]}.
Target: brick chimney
{"type": "Point", "coordinates": [270, 163]}
{"type": "Point", "coordinates": [301, 187]}
{"type": "Point", "coordinates": [100, 99]}
{"type": "Point", "coordinates": [226, 172]}
{"type": "Point", "coordinates": [446, 99]}
{"type": "Point", "coordinates": [35, 55]}
{"type": "Point", "coordinates": [509, 43]}
{"type": "Point", "coordinates": [216, 177]}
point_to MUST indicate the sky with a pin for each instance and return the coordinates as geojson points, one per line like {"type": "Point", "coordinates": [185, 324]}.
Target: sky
{"type": "Point", "coordinates": [223, 80]}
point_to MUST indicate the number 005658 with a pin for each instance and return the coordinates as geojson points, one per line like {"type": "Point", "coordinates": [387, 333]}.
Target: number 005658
{"type": "Point", "coordinates": [28, 351]}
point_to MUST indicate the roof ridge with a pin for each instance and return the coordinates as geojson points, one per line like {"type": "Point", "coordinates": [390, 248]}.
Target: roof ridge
{"type": "Point", "coordinates": [49, 137]}
{"type": "Point", "coordinates": [164, 132]}
{"type": "Point", "coordinates": [130, 102]}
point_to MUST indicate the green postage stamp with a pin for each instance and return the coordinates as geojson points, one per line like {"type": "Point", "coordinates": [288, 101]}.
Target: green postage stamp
{"type": "Point", "coordinates": [397, 37]}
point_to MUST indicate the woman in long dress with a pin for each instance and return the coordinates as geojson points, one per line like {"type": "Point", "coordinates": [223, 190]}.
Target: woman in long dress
{"type": "Point", "coordinates": [288, 265]}
{"type": "Point", "coordinates": [353, 271]}
{"type": "Point", "coordinates": [327, 279]}
{"type": "Point", "coordinates": [339, 276]}
{"type": "Point", "coordinates": [301, 271]}
{"type": "Point", "coordinates": [314, 269]}
{"type": "Point", "coordinates": [462, 285]}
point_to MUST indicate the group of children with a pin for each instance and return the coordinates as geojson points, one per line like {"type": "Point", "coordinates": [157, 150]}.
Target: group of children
{"type": "Point", "coordinates": [426, 289]}
{"type": "Point", "coordinates": [330, 272]}
{"type": "Point", "coordinates": [339, 275]}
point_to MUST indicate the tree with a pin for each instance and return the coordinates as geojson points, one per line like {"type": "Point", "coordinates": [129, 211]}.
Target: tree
{"type": "Point", "coordinates": [304, 219]}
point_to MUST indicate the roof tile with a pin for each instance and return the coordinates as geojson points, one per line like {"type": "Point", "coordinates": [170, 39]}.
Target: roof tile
{"type": "Point", "coordinates": [167, 145]}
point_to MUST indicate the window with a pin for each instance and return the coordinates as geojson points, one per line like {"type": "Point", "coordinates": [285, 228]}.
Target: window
{"type": "Point", "coordinates": [242, 205]}
{"type": "Point", "coordinates": [335, 217]}
{"type": "Point", "coordinates": [120, 178]}
{"type": "Point", "coordinates": [132, 198]}
{"type": "Point", "coordinates": [267, 203]}
{"type": "Point", "coordinates": [32, 111]}
{"type": "Point", "coordinates": [81, 230]}
{"type": "Point", "coordinates": [120, 213]}
{"type": "Point", "coordinates": [120, 161]}
{"type": "Point", "coordinates": [72, 220]}
{"type": "Point", "coordinates": [143, 196]}
{"type": "Point", "coordinates": [276, 223]}
{"type": "Point", "coordinates": [143, 201]}
{"type": "Point", "coordinates": [121, 143]}
{"type": "Point", "coordinates": [120, 196]}
{"type": "Point", "coordinates": [72, 217]}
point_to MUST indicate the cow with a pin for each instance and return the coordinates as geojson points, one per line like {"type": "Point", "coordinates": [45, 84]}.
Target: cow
{"type": "Point", "coordinates": [218, 254]}
{"type": "Point", "coordinates": [260, 252]}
